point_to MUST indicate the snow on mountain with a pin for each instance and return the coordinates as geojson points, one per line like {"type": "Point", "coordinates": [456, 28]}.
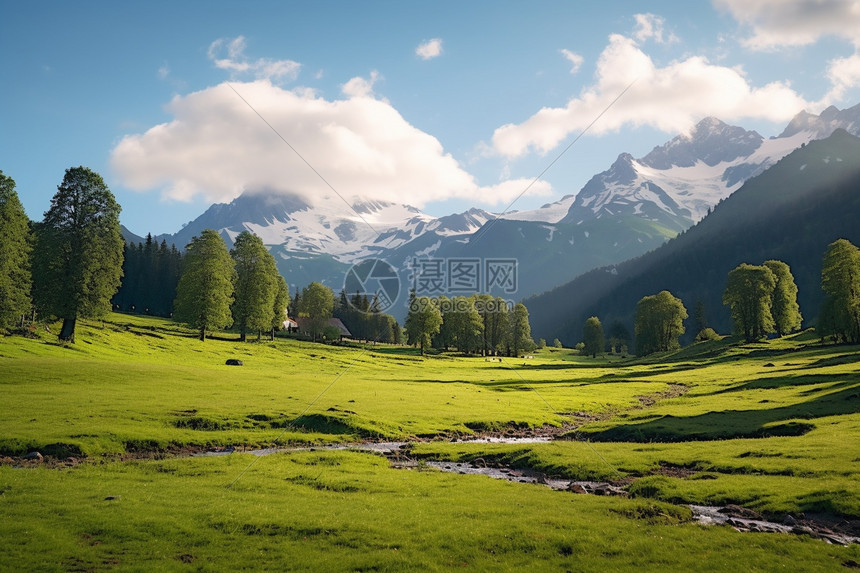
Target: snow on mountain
{"type": "Point", "coordinates": [677, 183]}
{"type": "Point", "coordinates": [549, 213]}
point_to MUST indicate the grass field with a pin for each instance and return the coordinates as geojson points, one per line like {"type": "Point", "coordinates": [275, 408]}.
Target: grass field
{"type": "Point", "coordinates": [773, 426]}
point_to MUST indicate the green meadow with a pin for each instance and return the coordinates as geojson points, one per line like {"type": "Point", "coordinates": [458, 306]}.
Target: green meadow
{"type": "Point", "coordinates": [771, 426]}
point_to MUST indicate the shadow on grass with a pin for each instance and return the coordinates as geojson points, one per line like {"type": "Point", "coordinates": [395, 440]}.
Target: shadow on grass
{"type": "Point", "coordinates": [835, 380]}
{"type": "Point", "coordinates": [731, 424]}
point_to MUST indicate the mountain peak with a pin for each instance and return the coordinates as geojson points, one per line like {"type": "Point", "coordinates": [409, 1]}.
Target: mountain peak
{"type": "Point", "coordinates": [711, 141]}
{"type": "Point", "coordinates": [821, 126]}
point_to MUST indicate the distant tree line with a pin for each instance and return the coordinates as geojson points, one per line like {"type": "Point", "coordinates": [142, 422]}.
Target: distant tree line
{"type": "Point", "coordinates": [477, 324]}
{"type": "Point", "coordinates": [150, 275]}
{"type": "Point", "coordinates": [762, 300]}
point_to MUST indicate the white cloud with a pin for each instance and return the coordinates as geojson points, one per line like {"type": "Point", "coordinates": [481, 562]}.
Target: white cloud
{"type": "Point", "coordinates": [429, 49]}
{"type": "Point", "coordinates": [777, 23]}
{"type": "Point", "coordinates": [844, 73]}
{"type": "Point", "coordinates": [650, 27]}
{"type": "Point", "coordinates": [216, 147]}
{"type": "Point", "coordinates": [237, 63]}
{"type": "Point", "coordinates": [574, 59]}
{"type": "Point", "coordinates": [671, 98]}
{"type": "Point", "coordinates": [163, 72]}
{"type": "Point", "coordinates": [360, 87]}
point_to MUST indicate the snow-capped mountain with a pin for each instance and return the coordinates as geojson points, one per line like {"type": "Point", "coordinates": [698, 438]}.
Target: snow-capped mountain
{"type": "Point", "coordinates": [677, 183]}
{"type": "Point", "coordinates": [631, 208]}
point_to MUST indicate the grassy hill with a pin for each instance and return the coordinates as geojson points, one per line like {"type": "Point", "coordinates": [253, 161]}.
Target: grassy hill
{"type": "Point", "coordinates": [772, 426]}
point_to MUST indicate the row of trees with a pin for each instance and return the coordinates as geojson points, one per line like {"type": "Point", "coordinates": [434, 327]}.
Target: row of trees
{"type": "Point", "coordinates": [474, 324]}
{"type": "Point", "coordinates": [67, 266]}
{"type": "Point", "coordinates": [241, 287]}
{"type": "Point", "coordinates": [762, 300]}
{"type": "Point", "coordinates": [658, 325]}
{"type": "Point", "coordinates": [151, 273]}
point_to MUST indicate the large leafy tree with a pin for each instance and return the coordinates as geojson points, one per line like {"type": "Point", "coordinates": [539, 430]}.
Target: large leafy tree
{"type": "Point", "coordinates": [748, 294]}
{"type": "Point", "coordinates": [592, 337]}
{"type": "Point", "coordinates": [15, 283]}
{"type": "Point", "coordinates": [77, 262]}
{"type": "Point", "coordinates": [840, 279]}
{"type": "Point", "coordinates": [423, 321]}
{"type": "Point", "coordinates": [315, 308]}
{"type": "Point", "coordinates": [255, 286]}
{"type": "Point", "coordinates": [659, 323]}
{"type": "Point", "coordinates": [205, 290]}
{"type": "Point", "coordinates": [494, 315]}
{"type": "Point", "coordinates": [784, 307]}
{"type": "Point", "coordinates": [520, 329]}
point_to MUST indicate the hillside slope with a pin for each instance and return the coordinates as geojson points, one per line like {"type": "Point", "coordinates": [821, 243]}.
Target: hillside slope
{"type": "Point", "coordinates": [791, 212]}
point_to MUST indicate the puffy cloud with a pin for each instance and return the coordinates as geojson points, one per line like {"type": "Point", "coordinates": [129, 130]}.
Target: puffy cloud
{"type": "Point", "coordinates": [844, 73]}
{"type": "Point", "coordinates": [777, 23]}
{"type": "Point", "coordinates": [237, 63]}
{"type": "Point", "coordinates": [574, 59]}
{"type": "Point", "coordinates": [429, 49]}
{"type": "Point", "coordinates": [360, 87]}
{"type": "Point", "coordinates": [650, 26]}
{"type": "Point", "coordinates": [217, 147]}
{"type": "Point", "coordinates": [671, 98]}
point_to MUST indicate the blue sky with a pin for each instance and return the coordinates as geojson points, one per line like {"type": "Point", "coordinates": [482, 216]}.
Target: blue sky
{"type": "Point", "coordinates": [443, 105]}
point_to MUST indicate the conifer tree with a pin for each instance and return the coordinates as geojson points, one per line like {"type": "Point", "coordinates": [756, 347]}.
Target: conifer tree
{"type": "Point", "coordinates": [77, 261]}
{"type": "Point", "coordinates": [205, 290]}
{"type": "Point", "coordinates": [281, 305]}
{"type": "Point", "coordinates": [15, 281]}
{"type": "Point", "coordinates": [255, 284]}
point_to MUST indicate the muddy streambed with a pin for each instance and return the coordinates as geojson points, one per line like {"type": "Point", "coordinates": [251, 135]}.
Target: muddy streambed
{"type": "Point", "coordinates": [740, 518]}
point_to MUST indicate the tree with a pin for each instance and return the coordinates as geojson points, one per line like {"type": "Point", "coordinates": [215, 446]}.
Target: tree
{"type": "Point", "coordinates": [592, 336]}
{"type": "Point", "coordinates": [520, 330]}
{"type": "Point", "coordinates": [15, 280]}
{"type": "Point", "coordinates": [619, 337]}
{"type": "Point", "coordinates": [205, 290]}
{"type": "Point", "coordinates": [494, 316]}
{"type": "Point", "coordinates": [748, 294]}
{"type": "Point", "coordinates": [315, 307]}
{"type": "Point", "coordinates": [281, 305]}
{"type": "Point", "coordinates": [784, 307]}
{"type": "Point", "coordinates": [77, 261]}
{"type": "Point", "coordinates": [255, 286]}
{"type": "Point", "coordinates": [423, 321]}
{"type": "Point", "coordinates": [659, 323]}
{"type": "Point", "coordinates": [556, 343]}
{"type": "Point", "coordinates": [840, 280]}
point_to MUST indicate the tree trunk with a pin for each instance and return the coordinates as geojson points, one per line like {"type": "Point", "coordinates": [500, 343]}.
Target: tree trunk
{"type": "Point", "coordinates": [67, 333]}
{"type": "Point", "coordinates": [202, 333]}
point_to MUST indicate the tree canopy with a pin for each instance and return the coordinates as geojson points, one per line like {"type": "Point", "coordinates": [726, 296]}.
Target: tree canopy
{"type": "Point", "coordinates": [15, 280]}
{"type": "Point", "coordinates": [77, 262]}
{"type": "Point", "coordinates": [840, 280]}
{"type": "Point", "coordinates": [592, 337]}
{"type": "Point", "coordinates": [315, 308]}
{"type": "Point", "coordinates": [659, 323]}
{"type": "Point", "coordinates": [205, 290]}
{"type": "Point", "coordinates": [784, 307]}
{"type": "Point", "coordinates": [255, 284]}
{"type": "Point", "coordinates": [748, 294]}
{"type": "Point", "coordinates": [520, 330]}
{"type": "Point", "coordinates": [423, 321]}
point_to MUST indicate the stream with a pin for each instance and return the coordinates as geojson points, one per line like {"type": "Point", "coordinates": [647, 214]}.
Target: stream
{"type": "Point", "coordinates": [739, 518]}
